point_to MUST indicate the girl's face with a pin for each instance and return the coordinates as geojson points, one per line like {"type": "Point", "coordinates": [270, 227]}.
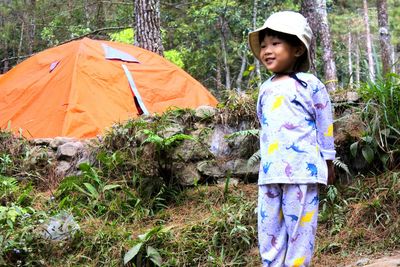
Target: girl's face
{"type": "Point", "coordinates": [278, 55]}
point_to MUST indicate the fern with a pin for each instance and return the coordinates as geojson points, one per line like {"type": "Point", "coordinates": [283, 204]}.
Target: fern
{"type": "Point", "coordinates": [251, 132]}
{"type": "Point", "coordinates": [255, 158]}
{"type": "Point", "coordinates": [340, 164]}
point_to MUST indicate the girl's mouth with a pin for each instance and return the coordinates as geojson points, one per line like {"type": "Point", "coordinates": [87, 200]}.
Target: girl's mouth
{"type": "Point", "coordinates": [269, 60]}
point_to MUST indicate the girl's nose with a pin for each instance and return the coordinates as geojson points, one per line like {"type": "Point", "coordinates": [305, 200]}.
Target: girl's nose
{"type": "Point", "coordinates": [267, 50]}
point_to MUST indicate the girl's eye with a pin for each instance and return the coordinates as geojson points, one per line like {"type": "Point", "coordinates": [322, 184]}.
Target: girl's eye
{"type": "Point", "coordinates": [275, 43]}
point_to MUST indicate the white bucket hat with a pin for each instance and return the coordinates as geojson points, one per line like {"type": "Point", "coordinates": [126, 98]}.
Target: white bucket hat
{"type": "Point", "coordinates": [289, 22]}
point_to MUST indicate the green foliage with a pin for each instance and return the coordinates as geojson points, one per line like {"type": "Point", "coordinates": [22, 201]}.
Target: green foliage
{"type": "Point", "coordinates": [218, 240]}
{"type": "Point", "coordinates": [18, 221]}
{"type": "Point", "coordinates": [251, 132]}
{"type": "Point", "coordinates": [143, 242]}
{"type": "Point", "coordinates": [333, 210]}
{"type": "Point", "coordinates": [382, 119]}
{"type": "Point", "coordinates": [132, 175]}
{"type": "Point", "coordinates": [175, 57]}
{"type": "Point", "coordinates": [239, 107]}
{"type": "Point", "coordinates": [90, 192]}
{"type": "Point", "coordinates": [126, 36]}
{"type": "Point", "coordinates": [164, 143]}
{"type": "Point", "coordinates": [5, 163]}
{"type": "Point", "coordinates": [8, 188]}
{"type": "Point", "coordinates": [356, 214]}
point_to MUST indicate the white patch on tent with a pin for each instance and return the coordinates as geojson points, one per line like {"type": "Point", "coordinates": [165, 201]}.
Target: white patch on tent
{"type": "Point", "coordinates": [136, 95]}
{"type": "Point", "coordinates": [53, 65]}
{"type": "Point", "coordinates": [113, 53]}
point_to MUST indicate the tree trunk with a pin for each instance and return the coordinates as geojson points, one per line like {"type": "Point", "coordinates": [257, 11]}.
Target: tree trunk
{"type": "Point", "coordinates": [31, 28]}
{"type": "Point", "coordinates": [350, 61]}
{"type": "Point", "coordinates": [218, 80]}
{"type": "Point", "coordinates": [5, 60]}
{"type": "Point", "coordinates": [369, 43]}
{"type": "Point", "coordinates": [257, 62]}
{"type": "Point", "coordinates": [384, 36]}
{"type": "Point", "coordinates": [357, 63]}
{"type": "Point", "coordinates": [21, 37]}
{"type": "Point", "coordinates": [242, 69]}
{"type": "Point", "coordinates": [147, 25]}
{"type": "Point", "coordinates": [397, 59]}
{"type": "Point", "coordinates": [86, 8]}
{"type": "Point", "coordinates": [308, 10]}
{"type": "Point", "coordinates": [100, 16]}
{"type": "Point", "coordinates": [224, 50]}
{"type": "Point", "coordinates": [325, 35]}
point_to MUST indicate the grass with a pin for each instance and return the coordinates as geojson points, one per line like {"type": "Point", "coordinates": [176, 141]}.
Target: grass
{"type": "Point", "coordinates": [208, 226]}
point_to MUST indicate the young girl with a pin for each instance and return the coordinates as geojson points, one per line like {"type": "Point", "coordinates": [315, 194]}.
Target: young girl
{"type": "Point", "coordinates": [296, 141]}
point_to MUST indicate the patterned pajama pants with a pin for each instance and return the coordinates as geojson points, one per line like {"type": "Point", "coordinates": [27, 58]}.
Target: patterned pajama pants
{"type": "Point", "coordinates": [287, 223]}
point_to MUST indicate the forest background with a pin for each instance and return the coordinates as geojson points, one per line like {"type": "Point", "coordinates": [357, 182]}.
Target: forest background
{"type": "Point", "coordinates": [207, 38]}
{"type": "Point", "coordinates": [131, 216]}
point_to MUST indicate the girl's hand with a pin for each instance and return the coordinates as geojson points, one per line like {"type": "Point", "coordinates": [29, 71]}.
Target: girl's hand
{"type": "Point", "coordinates": [331, 172]}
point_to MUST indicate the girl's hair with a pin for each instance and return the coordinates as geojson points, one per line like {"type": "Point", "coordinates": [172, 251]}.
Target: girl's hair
{"type": "Point", "coordinates": [289, 38]}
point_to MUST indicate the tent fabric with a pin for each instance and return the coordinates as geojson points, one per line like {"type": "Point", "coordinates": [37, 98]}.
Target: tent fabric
{"type": "Point", "coordinates": [72, 90]}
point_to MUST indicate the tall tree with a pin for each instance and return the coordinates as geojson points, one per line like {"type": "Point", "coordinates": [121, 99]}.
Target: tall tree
{"type": "Point", "coordinates": [223, 27]}
{"type": "Point", "coordinates": [384, 36]}
{"type": "Point", "coordinates": [326, 41]}
{"type": "Point", "coordinates": [257, 63]}
{"type": "Point", "coordinates": [147, 25]}
{"type": "Point", "coordinates": [357, 63]}
{"type": "Point", "coordinates": [308, 10]}
{"type": "Point", "coordinates": [371, 64]}
{"type": "Point", "coordinates": [350, 44]}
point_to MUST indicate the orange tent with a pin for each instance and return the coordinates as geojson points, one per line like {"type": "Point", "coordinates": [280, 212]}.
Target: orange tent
{"type": "Point", "coordinates": [80, 88]}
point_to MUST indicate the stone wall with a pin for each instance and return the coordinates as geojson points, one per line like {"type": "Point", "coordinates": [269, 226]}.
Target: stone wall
{"type": "Point", "coordinates": [210, 157]}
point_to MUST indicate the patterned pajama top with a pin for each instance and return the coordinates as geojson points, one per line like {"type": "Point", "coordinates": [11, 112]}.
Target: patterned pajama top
{"type": "Point", "coordinates": [296, 135]}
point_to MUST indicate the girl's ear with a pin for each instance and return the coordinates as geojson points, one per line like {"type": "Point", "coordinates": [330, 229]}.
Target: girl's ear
{"type": "Point", "coordinates": [300, 50]}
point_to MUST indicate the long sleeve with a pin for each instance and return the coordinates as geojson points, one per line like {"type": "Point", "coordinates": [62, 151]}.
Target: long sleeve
{"type": "Point", "coordinates": [324, 121]}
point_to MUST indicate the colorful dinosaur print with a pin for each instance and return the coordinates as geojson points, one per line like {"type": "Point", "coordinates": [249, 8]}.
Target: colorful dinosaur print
{"type": "Point", "coordinates": [288, 126]}
{"type": "Point", "coordinates": [268, 262]}
{"type": "Point", "coordinates": [264, 119]}
{"type": "Point", "coordinates": [307, 218]}
{"type": "Point", "coordinates": [294, 239]}
{"type": "Point", "coordinates": [278, 102]}
{"type": "Point", "coordinates": [320, 105]}
{"type": "Point", "coordinates": [297, 102]}
{"type": "Point", "coordinates": [299, 194]}
{"type": "Point", "coordinates": [311, 245]}
{"type": "Point", "coordinates": [272, 195]}
{"type": "Point", "coordinates": [307, 136]}
{"type": "Point", "coordinates": [313, 169]}
{"type": "Point", "coordinates": [273, 241]}
{"type": "Point", "coordinates": [273, 147]}
{"type": "Point", "coordinates": [314, 201]}
{"type": "Point", "coordinates": [288, 169]}
{"type": "Point", "coordinates": [296, 149]}
{"type": "Point", "coordinates": [293, 217]}
{"type": "Point", "coordinates": [329, 131]}
{"type": "Point", "coordinates": [311, 123]}
{"type": "Point", "coordinates": [316, 90]}
{"type": "Point", "coordinates": [266, 167]}
{"type": "Point", "coordinates": [263, 214]}
{"type": "Point", "coordinates": [264, 138]}
{"type": "Point", "coordinates": [299, 262]}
